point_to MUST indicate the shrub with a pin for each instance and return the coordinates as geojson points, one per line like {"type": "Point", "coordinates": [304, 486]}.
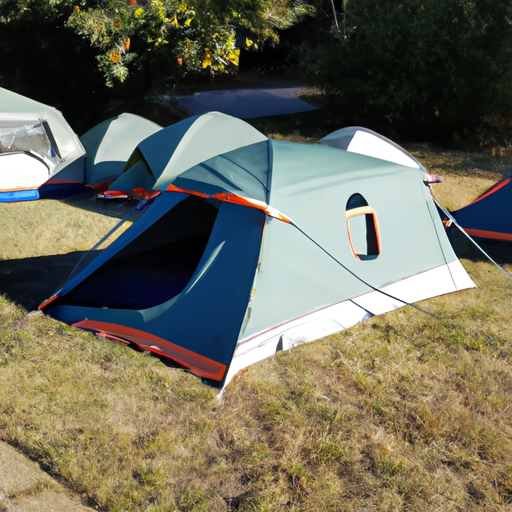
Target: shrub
{"type": "Point", "coordinates": [434, 66]}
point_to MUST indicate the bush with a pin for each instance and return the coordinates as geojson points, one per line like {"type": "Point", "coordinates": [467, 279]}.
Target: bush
{"type": "Point", "coordinates": [432, 66]}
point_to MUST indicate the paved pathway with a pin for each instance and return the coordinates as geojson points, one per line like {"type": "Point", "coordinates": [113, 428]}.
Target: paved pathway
{"type": "Point", "coordinates": [246, 103]}
{"type": "Point", "coordinates": [24, 487]}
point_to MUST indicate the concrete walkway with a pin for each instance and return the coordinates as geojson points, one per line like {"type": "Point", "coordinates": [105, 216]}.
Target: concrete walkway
{"type": "Point", "coordinates": [24, 487]}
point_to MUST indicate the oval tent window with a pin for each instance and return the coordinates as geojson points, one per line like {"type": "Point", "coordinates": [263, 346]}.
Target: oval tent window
{"type": "Point", "coordinates": [362, 228]}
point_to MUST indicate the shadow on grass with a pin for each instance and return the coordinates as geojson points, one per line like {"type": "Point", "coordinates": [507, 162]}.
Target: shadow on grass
{"type": "Point", "coordinates": [500, 252]}
{"type": "Point", "coordinates": [30, 281]}
{"type": "Point", "coordinates": [111, 208]}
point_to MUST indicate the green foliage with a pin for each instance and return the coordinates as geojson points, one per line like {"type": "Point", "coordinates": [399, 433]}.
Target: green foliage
{"type": "Point", "coordinates": [44, 60]}
{"type": "Point", "coordinates": [153, 37]}
{"type": "Point", "coordinates": [440, 64]}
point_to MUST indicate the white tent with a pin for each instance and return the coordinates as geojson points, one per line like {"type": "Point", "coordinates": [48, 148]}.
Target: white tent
{"type": "Point", "coordinates": [37, 145]}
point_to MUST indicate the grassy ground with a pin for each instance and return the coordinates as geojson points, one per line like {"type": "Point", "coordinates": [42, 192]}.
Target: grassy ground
{"type": "Point", "coordinates": [403, 412]}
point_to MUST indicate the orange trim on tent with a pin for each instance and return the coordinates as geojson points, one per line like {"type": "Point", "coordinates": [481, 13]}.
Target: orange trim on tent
{"type": "Point", "coordinates": [104, 334]}
{"type": "Point", "coordinates": [494, 189]}
{"type": "Point", "coordinates": [355, 212]}
{"type": "Point", "coordinates": [121, 194]}
{"type": "Point", "coordinates": [201, 365]}
{"type": "Point", "coordinates": [252, 203]}
{"type": "Point", "coordinates": [151, 195]}
{"type": "Point", "coordinates": [140, 191]}
{"type": "Point", "coordinates": [19, 189]}
{"type": "Point", "coordinates": [173, 188]}
{"type": "Point", "coordinates": [489, 234]}
{"type": "Point", "coordinates": [47, 301]}
{"type": "Point", "coordinates": [362, 210]}
{"type": "Point", "coordinates": [114, 194]}
{"type": "Point", "coordinates": [233, 198]}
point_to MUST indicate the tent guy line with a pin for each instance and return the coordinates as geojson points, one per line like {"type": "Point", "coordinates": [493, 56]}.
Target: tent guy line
{"type": "Point", "coordinates": [374, 288]}
{"type": "Point", "coordinates": [405, 303]}
{"type": "Point", "coordinates": [276, 214]}
{"type": "Point", "coordinates": [453, 221]}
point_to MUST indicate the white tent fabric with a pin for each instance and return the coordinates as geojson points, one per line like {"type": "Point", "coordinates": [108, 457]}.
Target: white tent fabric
{"type": "Point", "coordinates": [356, 139]}
{"type": "Point", "coordinates": [34, 173]}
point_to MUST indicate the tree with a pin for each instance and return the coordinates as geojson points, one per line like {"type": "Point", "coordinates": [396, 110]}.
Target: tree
{"type": "Point", "coordinates": [63, 52]}
{"type": "Point", "coordinates": [184, 37]}
{"type": "Point", "coordinates": [436, 65]}
{"type": "Point", "coordinates": [171, 37]}
{"type": "Point", "coordinates": [43, 59]}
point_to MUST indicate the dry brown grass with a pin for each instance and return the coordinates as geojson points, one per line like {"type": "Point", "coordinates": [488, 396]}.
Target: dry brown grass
{"type": "Point", "coordinates": [464, 175]}
{"type": "Point", "coordinates": [404, 412]}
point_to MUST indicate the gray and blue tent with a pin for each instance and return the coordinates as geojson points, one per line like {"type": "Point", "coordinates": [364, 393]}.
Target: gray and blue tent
{"type": "Point", "coordinates": [42, 158]}
{"type": "Point", "coordinates": [109, 144]}
{"type": "Point", "coordinates": [40, 155]}
{"type": "Point", "coordinates": [246, 246]}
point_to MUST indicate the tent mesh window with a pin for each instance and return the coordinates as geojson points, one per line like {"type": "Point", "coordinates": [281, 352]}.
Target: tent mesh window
{"type": "Point", "coordinates": [155, 266]}
{"type": "Point", "coordinates": [362, 228]}
{"type": "Point", "coordinates": [28, 136]}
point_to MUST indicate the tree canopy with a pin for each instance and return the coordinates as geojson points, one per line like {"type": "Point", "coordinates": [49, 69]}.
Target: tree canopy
{"type": "Point", "coordinates": [175, 37]}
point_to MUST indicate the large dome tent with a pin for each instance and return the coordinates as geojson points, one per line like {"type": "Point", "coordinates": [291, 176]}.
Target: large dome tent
{"type": "Point", "coordinates": [252, 246]}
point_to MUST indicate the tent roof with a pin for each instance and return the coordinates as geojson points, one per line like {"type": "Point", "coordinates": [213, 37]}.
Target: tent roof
{"type": "Point", "coordinates": [215, 153]}
{"type": "Point", "coordinates": [16, 107]}
{"type": "Point", "coordinates": [110, 144]}
{"type": "Point", "coordinates": [179, 147]}
{"type": "Point", "coordinates": [367, 142]}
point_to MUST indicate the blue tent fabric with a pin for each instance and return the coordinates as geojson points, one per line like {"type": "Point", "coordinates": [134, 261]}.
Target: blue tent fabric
{"type": "Point", "coordinates": [490, 215]}
{"type": "Point", "coordinates": [165, 278]}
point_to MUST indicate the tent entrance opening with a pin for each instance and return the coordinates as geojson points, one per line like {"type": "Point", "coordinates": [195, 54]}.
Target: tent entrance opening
{"type": "Point", "coordinates": [156, 266]}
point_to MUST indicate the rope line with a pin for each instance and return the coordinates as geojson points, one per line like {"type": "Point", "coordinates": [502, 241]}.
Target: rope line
{"type": "Point", "coordinates": [336, 260]}
{"type": "Point", "coordinates": [463, 231]}
{"type": "Point", "coordinates": [450, 324]}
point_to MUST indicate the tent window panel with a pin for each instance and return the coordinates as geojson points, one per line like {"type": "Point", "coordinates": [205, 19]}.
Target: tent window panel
{"type": "Point", "coordinates": [29, 136]}
{"type": "Point", "coordinates": [363, 231]}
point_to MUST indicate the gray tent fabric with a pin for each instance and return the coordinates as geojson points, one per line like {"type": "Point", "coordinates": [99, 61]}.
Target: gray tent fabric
{"type": "Point", "coordinates": [183, 145]}
{"type": "Point", "coordinates": [110, 144]}
{"type": "Point", "coordinates": [241, 171]}
{"type": "Point", "coordinates": [191, 151]}
{"type": "Point", "coordinates": [17, 108]}
{"type": "Point", "coordinates": [259, 249]}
